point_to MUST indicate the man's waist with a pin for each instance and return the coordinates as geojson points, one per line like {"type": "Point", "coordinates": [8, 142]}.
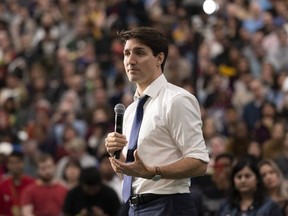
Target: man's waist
{"type": "Point", "coordinates": [163, 186]}
{"type": "Point", "coordinates": [140, 199]}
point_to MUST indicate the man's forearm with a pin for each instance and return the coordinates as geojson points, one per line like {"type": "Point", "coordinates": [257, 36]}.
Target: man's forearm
{"type": "Point", "coordinates": [184, 168]}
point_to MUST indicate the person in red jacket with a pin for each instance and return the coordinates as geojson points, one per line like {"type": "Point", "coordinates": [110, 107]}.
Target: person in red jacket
{"type": "Point", "coordinates": [13, 185]}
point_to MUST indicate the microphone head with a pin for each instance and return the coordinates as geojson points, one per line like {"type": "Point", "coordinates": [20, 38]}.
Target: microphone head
{"type": "Point", "coordinates": [119, 109]}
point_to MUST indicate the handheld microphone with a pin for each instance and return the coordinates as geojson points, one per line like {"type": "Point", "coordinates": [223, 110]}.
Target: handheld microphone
{"type": "Point", "coordinates": [119, 110]}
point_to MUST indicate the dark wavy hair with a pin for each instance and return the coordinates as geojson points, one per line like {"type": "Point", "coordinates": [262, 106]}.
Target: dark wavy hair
{"type": "Point", "coordinates": [149, 37]}
{"type": "Point", "coordinates": [71, 163]}
{"type": "Point", "coordinates": [260, 193]}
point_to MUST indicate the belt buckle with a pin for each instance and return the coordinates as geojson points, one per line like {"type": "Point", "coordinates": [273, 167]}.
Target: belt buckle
{"type": "Point", "coordinates": [133, 200]}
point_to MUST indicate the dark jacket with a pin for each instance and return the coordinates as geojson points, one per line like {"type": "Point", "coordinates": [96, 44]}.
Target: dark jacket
{"type": "Point", "coordinates": [267, 208]}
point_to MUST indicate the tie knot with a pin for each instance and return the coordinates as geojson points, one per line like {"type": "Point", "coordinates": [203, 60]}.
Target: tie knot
{"type": "Point", "coordinates": [142, 101]}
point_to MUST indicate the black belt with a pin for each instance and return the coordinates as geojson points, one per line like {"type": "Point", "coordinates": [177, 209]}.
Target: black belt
{"type": "Point", "coordinates": [144, 198]}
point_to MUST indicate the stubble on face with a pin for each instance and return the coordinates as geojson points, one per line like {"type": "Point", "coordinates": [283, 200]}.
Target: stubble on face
{"type": "Point", "coordinates": [46, 171]}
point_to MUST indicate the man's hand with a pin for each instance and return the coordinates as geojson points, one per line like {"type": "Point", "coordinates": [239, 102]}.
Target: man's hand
{"type": "Point", "coordinates": [114, 142]}
{"type": "Point", "coordinates": [136, 168]}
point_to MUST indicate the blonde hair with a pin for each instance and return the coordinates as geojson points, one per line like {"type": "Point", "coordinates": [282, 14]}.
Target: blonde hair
{"type": "Point", "coordinates": [283, 184]}
{"type": "Point", "coordinates": [76, 144]}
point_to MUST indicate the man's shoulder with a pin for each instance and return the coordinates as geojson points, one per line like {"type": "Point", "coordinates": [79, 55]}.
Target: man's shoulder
{"type": "Point", "coordinates": [25, 181]}
{"type": "Point", "coordinates": [172, 92]}
{"type": "Point", "coordinates": [58, 183]}
{"type": "Point", "coordinates": [176, 89]}
{"type": "Point", "coordinates": [31, 187]}
{"type": "Point", "coordinates": [39, 186]}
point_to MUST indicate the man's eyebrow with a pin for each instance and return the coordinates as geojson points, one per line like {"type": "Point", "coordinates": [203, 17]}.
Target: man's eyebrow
{"type": "Point", "coordinates": [135, 49]}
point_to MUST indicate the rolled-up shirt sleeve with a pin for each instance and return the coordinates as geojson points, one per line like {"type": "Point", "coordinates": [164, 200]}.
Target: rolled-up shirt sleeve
{"type": "Point", "coordinates": [185, 125]}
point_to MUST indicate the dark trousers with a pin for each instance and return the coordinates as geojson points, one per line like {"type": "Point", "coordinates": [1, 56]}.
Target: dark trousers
{"type": "Point", "coordinates": [171, 205]}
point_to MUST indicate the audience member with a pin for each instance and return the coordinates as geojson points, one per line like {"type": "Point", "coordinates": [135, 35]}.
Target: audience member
{"type": "Point", "coordinates": [239, 141]}
{"type": "Point", "coordinates": [66, 54]}
{"type": "Point", "coordinates": [263, 128]}
{"type": "Point", "coordinates": [66, 114]}
{"type": "Point", "coordinates": [215, 193]}
{"type": "Point", "coordinates": [6, 149]}
{"type": "Point", "coordinates": [45, 196]}
{"type": "Point", "coordinates": [13, 185]}
{"type": "Point", "coordinates": [38, 127]}
{"type": "Point", "coordinates": [218, 99]}
{"type": "Point", "coordinates": [255, 150]}
{"type": "Point", "coordinates": [248, 195]}
{"type": "Point", "coordinates": [241, 93]}
{"type": "Point", "coordinates": [283, 107]}
{"type": "Point", "coordinates": [230, 120]}
{"type": "Point", "coordinates": [274, 146]}
{"type": "Point", "coordinates": [69, 133]}
{"type": "Point", "coordinates": [216, 146]}
{"type": "Point", "coordinates": [177, 67]}
{"type": "Point", "coordinates": [71, 174]}
{"type": "Point", "coordinates": [252, 110]}
{"type": "Point", "coordinates": [91, 196]}
{"type": "Point", "coordinates": [109, 177]}
{"type": "Point", "coordinates": [209, 129]}
{"type": "Point", "coordinates": [100, 124]}
{"type": "Point", "coordinates": [274, 182]}
{"type": "Point", "coordinates": [280, 53]}
{"type": "Point", "coordinates": [31, 154]}
{"type": "Point", "coordinates": [282, 159]}
{"type": "Point", "coordinates": [76, 150]}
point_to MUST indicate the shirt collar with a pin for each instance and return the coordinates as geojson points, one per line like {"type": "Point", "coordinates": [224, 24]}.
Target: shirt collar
{"type": "Point", "coordinates": [154, 88]}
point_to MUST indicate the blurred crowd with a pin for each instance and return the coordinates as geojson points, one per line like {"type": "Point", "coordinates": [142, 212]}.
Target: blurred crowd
{"type": "Point", "coordinates": [61, 74]}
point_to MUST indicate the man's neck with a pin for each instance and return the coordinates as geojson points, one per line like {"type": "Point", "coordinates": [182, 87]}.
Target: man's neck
{"type": "Point", "coordinates": [47, 183]}
{"type": "Point", "coordinates": [16, 179]}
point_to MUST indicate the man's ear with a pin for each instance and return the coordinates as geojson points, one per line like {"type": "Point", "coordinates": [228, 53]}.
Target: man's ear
{"type": "Point", "coordinates": [160, 58]}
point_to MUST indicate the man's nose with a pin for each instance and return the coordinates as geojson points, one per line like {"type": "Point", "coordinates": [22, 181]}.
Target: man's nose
{"type": "Point", "coordinates": [131, 59]}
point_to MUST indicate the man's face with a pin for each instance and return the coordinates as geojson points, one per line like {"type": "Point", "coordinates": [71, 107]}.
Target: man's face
{"type": "Point", "coordinates": [140, 64]}
{"type": "Point", "coordinates": [222, 170]}
{"type": "Point", "coordinates": [15, 165]}
{"type": "Point", "coordinates": [46, 170]}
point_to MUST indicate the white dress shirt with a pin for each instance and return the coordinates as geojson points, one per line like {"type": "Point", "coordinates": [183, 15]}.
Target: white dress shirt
{"type": "Point", "coordinates": [171, 130]}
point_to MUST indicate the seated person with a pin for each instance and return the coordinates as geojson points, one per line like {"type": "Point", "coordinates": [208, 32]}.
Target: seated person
{"type": "Point", "coordinates": [91, 196]}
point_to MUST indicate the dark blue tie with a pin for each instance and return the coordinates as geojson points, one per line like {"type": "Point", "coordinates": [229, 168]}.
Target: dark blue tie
{"type": "Point", "coordinates": [127, 183]}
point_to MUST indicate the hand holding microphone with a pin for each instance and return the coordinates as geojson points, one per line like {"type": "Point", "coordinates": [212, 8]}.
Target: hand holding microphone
{"type": "Point", "coordinates": [119, 110]}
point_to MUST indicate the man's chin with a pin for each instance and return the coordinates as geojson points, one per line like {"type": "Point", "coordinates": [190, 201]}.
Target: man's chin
{"type": "Point", "coordinates": [47, 179]}
{"type": "Point", "coordinates": [132, 79]}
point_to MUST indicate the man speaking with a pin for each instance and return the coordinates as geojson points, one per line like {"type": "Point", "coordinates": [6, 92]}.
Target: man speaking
{"type": "Point", "coordinates": [162, 145]}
